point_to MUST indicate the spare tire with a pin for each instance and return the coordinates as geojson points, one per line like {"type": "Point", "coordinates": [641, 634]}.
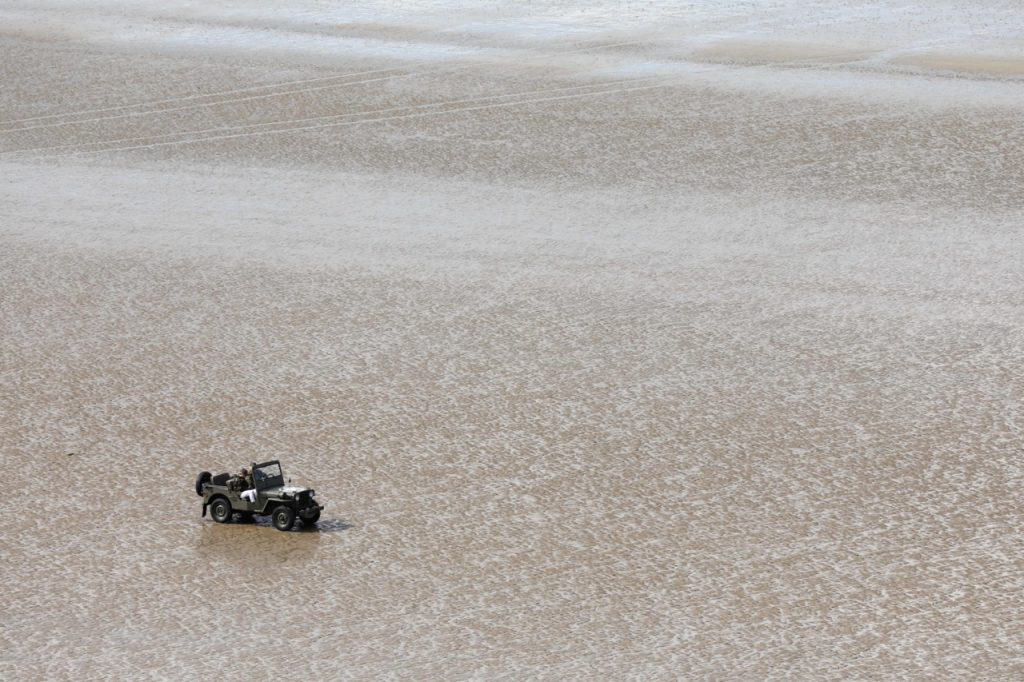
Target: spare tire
{"type": "Point", "coordinates": [202, 479]}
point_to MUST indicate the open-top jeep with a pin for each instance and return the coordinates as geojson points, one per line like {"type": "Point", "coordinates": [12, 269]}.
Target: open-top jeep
{"type": "Point", "coordinates": [267, 494]}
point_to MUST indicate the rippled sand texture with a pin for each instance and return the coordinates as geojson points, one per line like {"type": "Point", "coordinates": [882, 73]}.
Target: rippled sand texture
{"type": "Point", "coordinates": [713, 375]}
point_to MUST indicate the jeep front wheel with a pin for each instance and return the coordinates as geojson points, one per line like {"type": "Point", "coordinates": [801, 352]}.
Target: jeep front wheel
{"type": "Point", "coordinates": [284, 518]}
{"type": "Point", "coordinates": [313, 518]}
{"type": "Point", "coordinates": [220, 510]}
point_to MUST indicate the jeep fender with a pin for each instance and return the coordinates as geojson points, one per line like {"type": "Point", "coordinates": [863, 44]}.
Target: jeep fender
{"type": "Point", "coordinates": [270, 505]}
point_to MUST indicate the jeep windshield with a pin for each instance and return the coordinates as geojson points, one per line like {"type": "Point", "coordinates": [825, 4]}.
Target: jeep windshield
{"type": "Point", "coordinates": [267, 475]}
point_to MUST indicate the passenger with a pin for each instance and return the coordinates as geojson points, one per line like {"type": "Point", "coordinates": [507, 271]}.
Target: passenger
{"type": "Point", "coordinates": [247, 488]}
{"type": "Point", "coordinates": [240, 481]}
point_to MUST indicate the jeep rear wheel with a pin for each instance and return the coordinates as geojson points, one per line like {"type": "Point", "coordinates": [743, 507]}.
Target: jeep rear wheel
{"type": "Point", "coordinates": [284, 518]}
{"type": "Point", "coordinates": [201, 480]}
{"type": "Point", "coordinates": [220, 510]}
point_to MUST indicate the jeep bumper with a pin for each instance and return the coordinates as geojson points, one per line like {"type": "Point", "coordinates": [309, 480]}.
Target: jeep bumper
{"type": "Point", "coordinates": [310, 511]}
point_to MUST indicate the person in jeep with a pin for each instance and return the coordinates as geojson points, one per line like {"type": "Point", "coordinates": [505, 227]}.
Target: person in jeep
{"type": "Point", "coordinates": [242, 483]}
{"type": "Point", "coordinates": [236, 482]}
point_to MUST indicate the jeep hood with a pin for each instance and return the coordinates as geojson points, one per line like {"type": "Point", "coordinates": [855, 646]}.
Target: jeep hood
{"type": "Point", "coordinates": [280, 490]}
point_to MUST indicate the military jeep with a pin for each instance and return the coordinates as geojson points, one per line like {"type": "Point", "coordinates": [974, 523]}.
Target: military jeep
{"type": "Point", "coordinates": [283, 503]}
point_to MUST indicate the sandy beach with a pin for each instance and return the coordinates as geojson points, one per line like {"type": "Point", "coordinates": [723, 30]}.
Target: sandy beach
{"type": "Point", "coordinates": [620, 341]}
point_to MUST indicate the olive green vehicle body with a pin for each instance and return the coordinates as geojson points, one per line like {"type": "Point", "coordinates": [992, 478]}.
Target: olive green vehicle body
{"type": "Point", "coordinates": [273, 496]}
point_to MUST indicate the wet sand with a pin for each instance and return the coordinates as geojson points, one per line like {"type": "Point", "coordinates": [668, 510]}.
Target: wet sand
{"type": "Point", "coordinates": [714, 375]}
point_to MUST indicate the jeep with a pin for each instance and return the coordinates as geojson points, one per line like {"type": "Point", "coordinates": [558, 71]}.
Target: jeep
{"type": "Point", "coordinates": [283, 503]}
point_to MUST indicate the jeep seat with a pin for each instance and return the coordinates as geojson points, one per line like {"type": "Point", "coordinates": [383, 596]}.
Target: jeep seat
{"type": "Point", "coordinates": [220, 479]}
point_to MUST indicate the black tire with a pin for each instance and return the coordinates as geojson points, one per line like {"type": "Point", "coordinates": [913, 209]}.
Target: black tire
{"type": "Point", "coordinates": [284, 517]}
{"type": "Point", "coordinates": [312, 519]}
{"type": "Point", "coordinates": [220, 510]}
{"type": "Point", "coordinates": [200, 480]}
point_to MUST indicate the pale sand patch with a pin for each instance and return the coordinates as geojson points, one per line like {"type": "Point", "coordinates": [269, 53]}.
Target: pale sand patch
{"type": "Point", "coordinates": [965, 63]}
{"type": "Point", "coordinates": [757, 52]}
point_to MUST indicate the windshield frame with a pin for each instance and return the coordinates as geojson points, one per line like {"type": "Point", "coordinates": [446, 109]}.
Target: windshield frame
{"type": "Point", "coordinates": [262, 481]}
